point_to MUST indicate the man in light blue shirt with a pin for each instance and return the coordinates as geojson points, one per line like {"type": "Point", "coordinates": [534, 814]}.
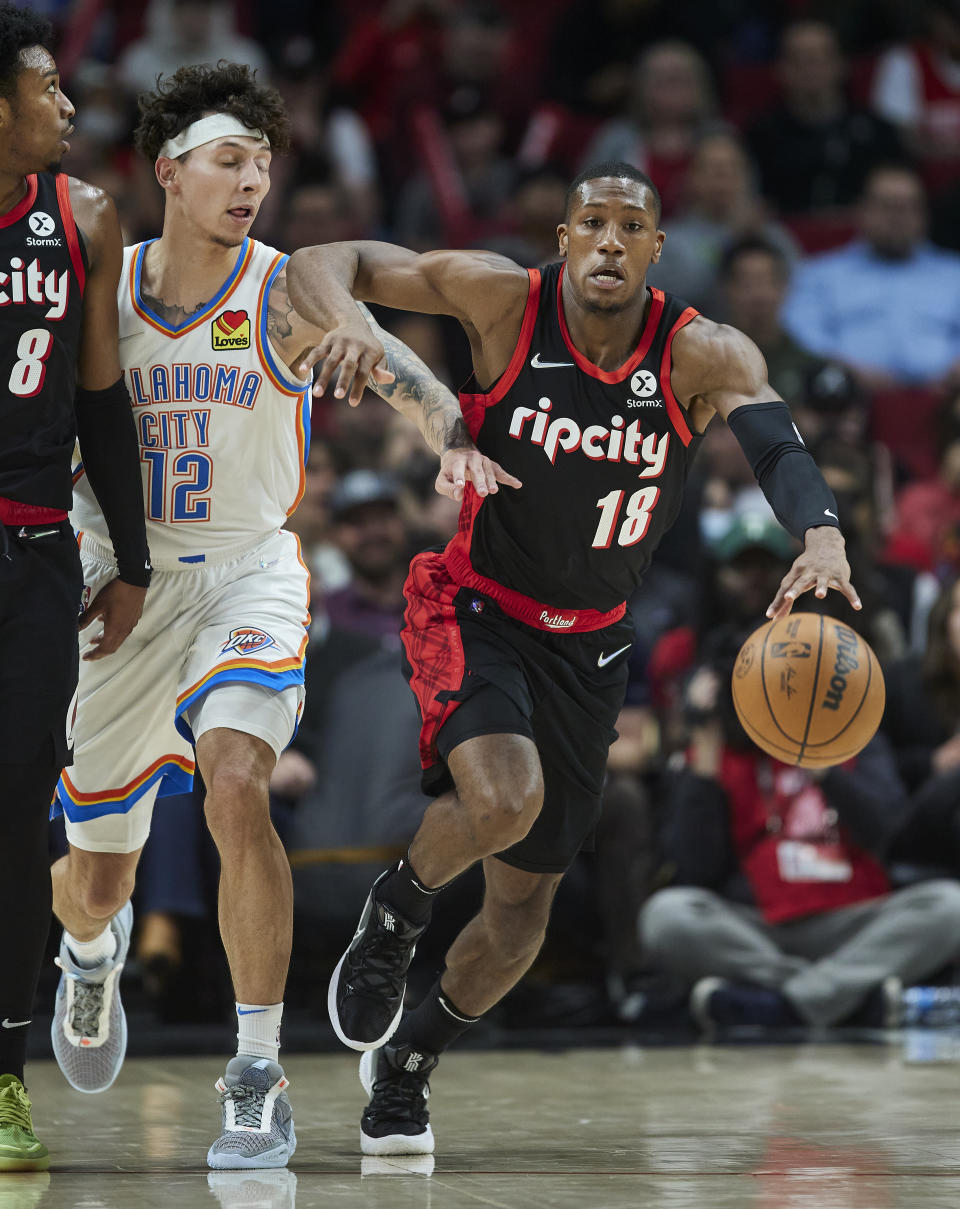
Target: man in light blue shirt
{"type": "Point", "coordinates": [888, 303]}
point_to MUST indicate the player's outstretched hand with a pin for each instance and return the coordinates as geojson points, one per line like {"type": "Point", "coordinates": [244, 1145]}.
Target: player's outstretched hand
{"type": "Point", "coordinates": [822, 565]}
{"type": "Point", "coordinates": [355, 352]}
{"type": "Point", "coordinates": [118, 605]}
{"type": "Point", "coordinates": [459, 466]}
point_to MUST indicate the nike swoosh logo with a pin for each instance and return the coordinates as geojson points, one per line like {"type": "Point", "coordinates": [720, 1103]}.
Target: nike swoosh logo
{"type": "Point", "coordinates": [250, 1011]}
{"type": "Point", "coordinates": [8, 1023]}
{"type": "Point", "coordinates": [538, 364]}
{"type": "Point", "coordinates": [605, 659]}
{"type": "Point", "coordinates": [827, 512]}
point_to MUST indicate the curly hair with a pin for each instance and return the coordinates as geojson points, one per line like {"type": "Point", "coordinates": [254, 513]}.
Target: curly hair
{"type": "Point", "coordinates": [19, 29]}
{"type": "Point", "coordinates": [192, 92]}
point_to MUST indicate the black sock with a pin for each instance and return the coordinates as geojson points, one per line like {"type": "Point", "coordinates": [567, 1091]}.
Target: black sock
{"type": "Point", "coordinates": [434, 1024]}
{"type": "Point", "coordinates": [403, 890]}
{"type": "Point", "coordinates": [25, 900]}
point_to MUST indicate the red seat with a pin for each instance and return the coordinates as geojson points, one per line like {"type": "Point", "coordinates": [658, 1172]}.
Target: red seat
{"type": "Point", "coordinates": [821, 232]}
{"type": "Point", "coordinates": [905, 420]}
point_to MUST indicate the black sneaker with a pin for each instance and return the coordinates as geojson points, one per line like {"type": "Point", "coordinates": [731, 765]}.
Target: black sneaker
{"type": "Point", "coordinates": [365, 998]}
{"type": "Point", "coordinates": [397, 1120]}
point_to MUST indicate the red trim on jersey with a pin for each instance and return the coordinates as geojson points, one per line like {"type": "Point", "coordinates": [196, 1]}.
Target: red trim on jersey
{"type": "Point", "coordinates": [473, 406]}
{"type": "Point", "coordinates": [646, 337]}
{"type": "Point", "coordinates": [674, 410]}
{"type": "Point", "coordinates": [70, 229]}
{"type": "Point", "coordinates": [12, 512]}
{"type": "Point", "coordinates": [524, 608]}
{"type": "Point", "coordinates": [23, 205]}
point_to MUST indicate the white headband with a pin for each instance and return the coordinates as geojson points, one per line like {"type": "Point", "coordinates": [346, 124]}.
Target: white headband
{"type": "Point", "coordinates": [205, 130]}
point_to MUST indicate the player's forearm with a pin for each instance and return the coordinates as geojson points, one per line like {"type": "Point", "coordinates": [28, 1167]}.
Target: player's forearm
{"type": "Point", "coordinates": [320, 281]}
{"type": "Point", "coordinates": [417, 394]}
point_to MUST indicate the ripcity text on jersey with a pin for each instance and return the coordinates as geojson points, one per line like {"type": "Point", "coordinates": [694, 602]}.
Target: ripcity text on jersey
{"type": "Point", "coordinates": [223, 424]}
{"type": "Point", "coordinates": [603, 457]}
{"type": "Point", "coordinates": [42, 274]}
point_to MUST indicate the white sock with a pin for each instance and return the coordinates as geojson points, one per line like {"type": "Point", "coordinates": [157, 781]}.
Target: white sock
{"type": "Point", "coordinates": [258, 1030]}
{"type": "Point", "coordinates": [89, 954]}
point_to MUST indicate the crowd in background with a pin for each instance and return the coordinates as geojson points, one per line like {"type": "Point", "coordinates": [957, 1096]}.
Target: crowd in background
{"type": "Point", "coordinates": [809, 161]}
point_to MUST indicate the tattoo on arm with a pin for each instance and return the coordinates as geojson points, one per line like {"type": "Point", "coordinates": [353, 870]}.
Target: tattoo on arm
{"type": "Point", "coordinates": [279, 310]}
{"type": "Point", "coordinates": [417, 394]}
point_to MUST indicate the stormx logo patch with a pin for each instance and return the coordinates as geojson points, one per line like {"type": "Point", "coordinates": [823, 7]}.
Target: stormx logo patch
{"type": "Point", "coordinates": [645, 386]}
{"type": "Point", "coordinates": [43, 227]}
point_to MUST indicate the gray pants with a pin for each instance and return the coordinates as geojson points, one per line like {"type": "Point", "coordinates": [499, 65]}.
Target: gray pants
{"type": "Point", "coordinates": [825, 964]}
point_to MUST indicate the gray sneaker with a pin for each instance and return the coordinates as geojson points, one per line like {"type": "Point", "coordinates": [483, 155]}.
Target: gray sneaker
{"type": "Point", "coordinates": [257, 1117]}
{"type": "Point", "coordinates": [89, 1030]}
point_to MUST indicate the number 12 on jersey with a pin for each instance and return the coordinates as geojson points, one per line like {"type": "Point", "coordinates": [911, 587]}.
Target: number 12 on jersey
{"type": "Point", "coordinates": [177, 485]}
{"type": "Point", "coordinates": [636, 520]}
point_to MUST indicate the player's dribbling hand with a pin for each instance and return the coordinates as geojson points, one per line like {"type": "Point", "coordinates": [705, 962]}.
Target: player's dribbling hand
{"type": "Point", "coordinates": [821, 565]}
{"type": "Point", "coordinates": [460, 466]}
{"type": "Point", "coordinates": [118, 605]}
{"type": "Point", "coordinates": [356, 352]}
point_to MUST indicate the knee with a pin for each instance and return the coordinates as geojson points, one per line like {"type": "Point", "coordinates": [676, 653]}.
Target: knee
{"type": "Point", "coordinates": [937, 903]}
{"type": "Point", "coordinates": [103, 889]}
{"type": "Point", "coordinates": [503, 813]}
{"type": "Point", "coordinates": [237, 803]}
{"type": "Point", "coordinates": [669, 917]}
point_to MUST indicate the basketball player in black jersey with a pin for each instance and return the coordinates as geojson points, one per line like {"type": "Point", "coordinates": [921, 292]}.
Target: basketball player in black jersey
{"type": "Point", "coordinates": [60, 257]}
{"type": "Point", "coordinates": [594, 390]}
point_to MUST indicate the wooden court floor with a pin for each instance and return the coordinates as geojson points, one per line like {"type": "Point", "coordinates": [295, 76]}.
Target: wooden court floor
{"type": "Point", "coordinates": [727, 1127]}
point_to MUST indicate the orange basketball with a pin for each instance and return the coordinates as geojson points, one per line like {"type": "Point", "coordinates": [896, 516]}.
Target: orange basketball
{"type": "Point", "coordinates": [808, 690]}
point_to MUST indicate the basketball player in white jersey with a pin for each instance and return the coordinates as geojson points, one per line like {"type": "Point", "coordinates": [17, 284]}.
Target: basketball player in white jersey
{"type": "Point", "coordinates": [218, 366]}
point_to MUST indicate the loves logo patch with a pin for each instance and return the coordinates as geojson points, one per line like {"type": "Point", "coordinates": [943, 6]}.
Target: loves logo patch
{"type": "Point", "coordinates": [246, 639]}
{"type": "Point", "coordinates": [230, 330]}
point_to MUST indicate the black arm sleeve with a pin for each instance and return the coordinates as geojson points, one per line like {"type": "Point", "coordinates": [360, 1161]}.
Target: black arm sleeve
{"type": "Point", "coordinates": [787, 474]}
{"type": "Point", "coordinates": [111, 460]}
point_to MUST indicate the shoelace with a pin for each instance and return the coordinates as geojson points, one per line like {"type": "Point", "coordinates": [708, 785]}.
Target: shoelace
{"type": "Point", "coordinates": [15, 1108]}
{"type": "Point", "coordinates": [385, 948]}
{"type": "Point", "coordinates": [406, 1095]}
{"type": "Point", "coordinates": [247, 1104]}
{"type": "Point", "coordinates": [87, 1003]}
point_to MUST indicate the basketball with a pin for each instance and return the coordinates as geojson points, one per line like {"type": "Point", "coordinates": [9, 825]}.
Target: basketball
{"type": "Point", "coordinates": [808, 690]}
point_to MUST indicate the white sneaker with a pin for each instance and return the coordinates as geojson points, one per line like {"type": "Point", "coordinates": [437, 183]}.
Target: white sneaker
{"type": "Point", "coordinates": [257, 1117]}
{"type": "Point", "coordinates": [89, 1030]}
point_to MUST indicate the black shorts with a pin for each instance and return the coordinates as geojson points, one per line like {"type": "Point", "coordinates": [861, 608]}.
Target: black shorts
{"type": "Point", "coordinates": [41, 585]}
{"type": "Point", "coordinates": [476, 671]}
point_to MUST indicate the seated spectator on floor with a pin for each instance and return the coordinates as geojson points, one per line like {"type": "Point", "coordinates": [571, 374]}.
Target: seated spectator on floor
{"type": "Point", "coordinates": [782, 913]}
{"type": "Point", "coordinates": [367, 526]}
{"type": "Point", "coordinates": [719, 204]}
{"type": "Point", "coordinates": [888, 303]}
{"type": "Point", "coordinates": [815, 147]}
{"type": "Point", "coordinates": [753, 278]}
{"type": "Point", "coordinates": [922, 722]}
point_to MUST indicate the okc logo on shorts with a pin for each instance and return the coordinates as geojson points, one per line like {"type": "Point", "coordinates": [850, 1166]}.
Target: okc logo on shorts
{"type": "Point", "coordinates": [245, 639]}
{"type": "Point", "coordinates": [230, 329]}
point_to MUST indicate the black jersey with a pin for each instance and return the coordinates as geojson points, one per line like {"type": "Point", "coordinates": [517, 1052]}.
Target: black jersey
{"type": "Point", "coordinates": [42, 274]}
{"type": "Point", "coordinates": [603, 458]}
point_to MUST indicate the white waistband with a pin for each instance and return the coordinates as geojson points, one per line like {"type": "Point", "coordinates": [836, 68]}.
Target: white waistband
{"type": "Point", "coordinates": [91, 545]}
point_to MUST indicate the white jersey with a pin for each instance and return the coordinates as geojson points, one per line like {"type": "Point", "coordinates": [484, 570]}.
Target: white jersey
{"type": "Point", "coordinates": [223, 424]}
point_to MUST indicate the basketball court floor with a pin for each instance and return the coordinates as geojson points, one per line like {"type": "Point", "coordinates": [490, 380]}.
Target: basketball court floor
{"type": "Point", "coordinates": [722, 1127]}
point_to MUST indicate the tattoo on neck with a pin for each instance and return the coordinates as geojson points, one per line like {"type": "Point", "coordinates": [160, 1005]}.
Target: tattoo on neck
{"type": "Point", "coordinates": [174, 315]}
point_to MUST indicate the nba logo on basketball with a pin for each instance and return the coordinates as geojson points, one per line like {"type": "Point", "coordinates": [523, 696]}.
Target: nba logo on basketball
{"type": "Point", "coordinates": [245, 640]}
{"type": "Point", "coordinates": [230, 329]}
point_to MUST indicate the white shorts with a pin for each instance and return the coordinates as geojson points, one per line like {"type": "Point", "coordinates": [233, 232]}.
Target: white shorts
{"type": "Point", "coordinates": [220, 644]}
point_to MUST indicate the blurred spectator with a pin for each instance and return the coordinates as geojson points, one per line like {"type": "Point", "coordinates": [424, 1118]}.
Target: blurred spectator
{"type": "Point", "coordinates": [185, 31]}
{"type": "Point", "coordinates": [927, 513]}
{"type": "Point", "coordinates": [369, 529]}
{"type": "Point", "coordinates": [671, 99]}
{"type": "Point", "coordinates": [316, 213]}
{"type": "Point", "coordinates": [887, 304]}
{"type": "Point", "coordinates": [719, 204]}
{"type": "Point", "coordinates": [815, 147]}
{"type": "Point", "coordinates": [917, 87]}
{"type": "Point", "coordinates": [783, 913]}
{"type": "Point", "coordinates": [753, 278]}
{"type": "Point", "coordinates": [311, 522]}
{"type": "Point", "coordinates": [530, 217]}
{"type": "Point", "coordinates": [464, 183]}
